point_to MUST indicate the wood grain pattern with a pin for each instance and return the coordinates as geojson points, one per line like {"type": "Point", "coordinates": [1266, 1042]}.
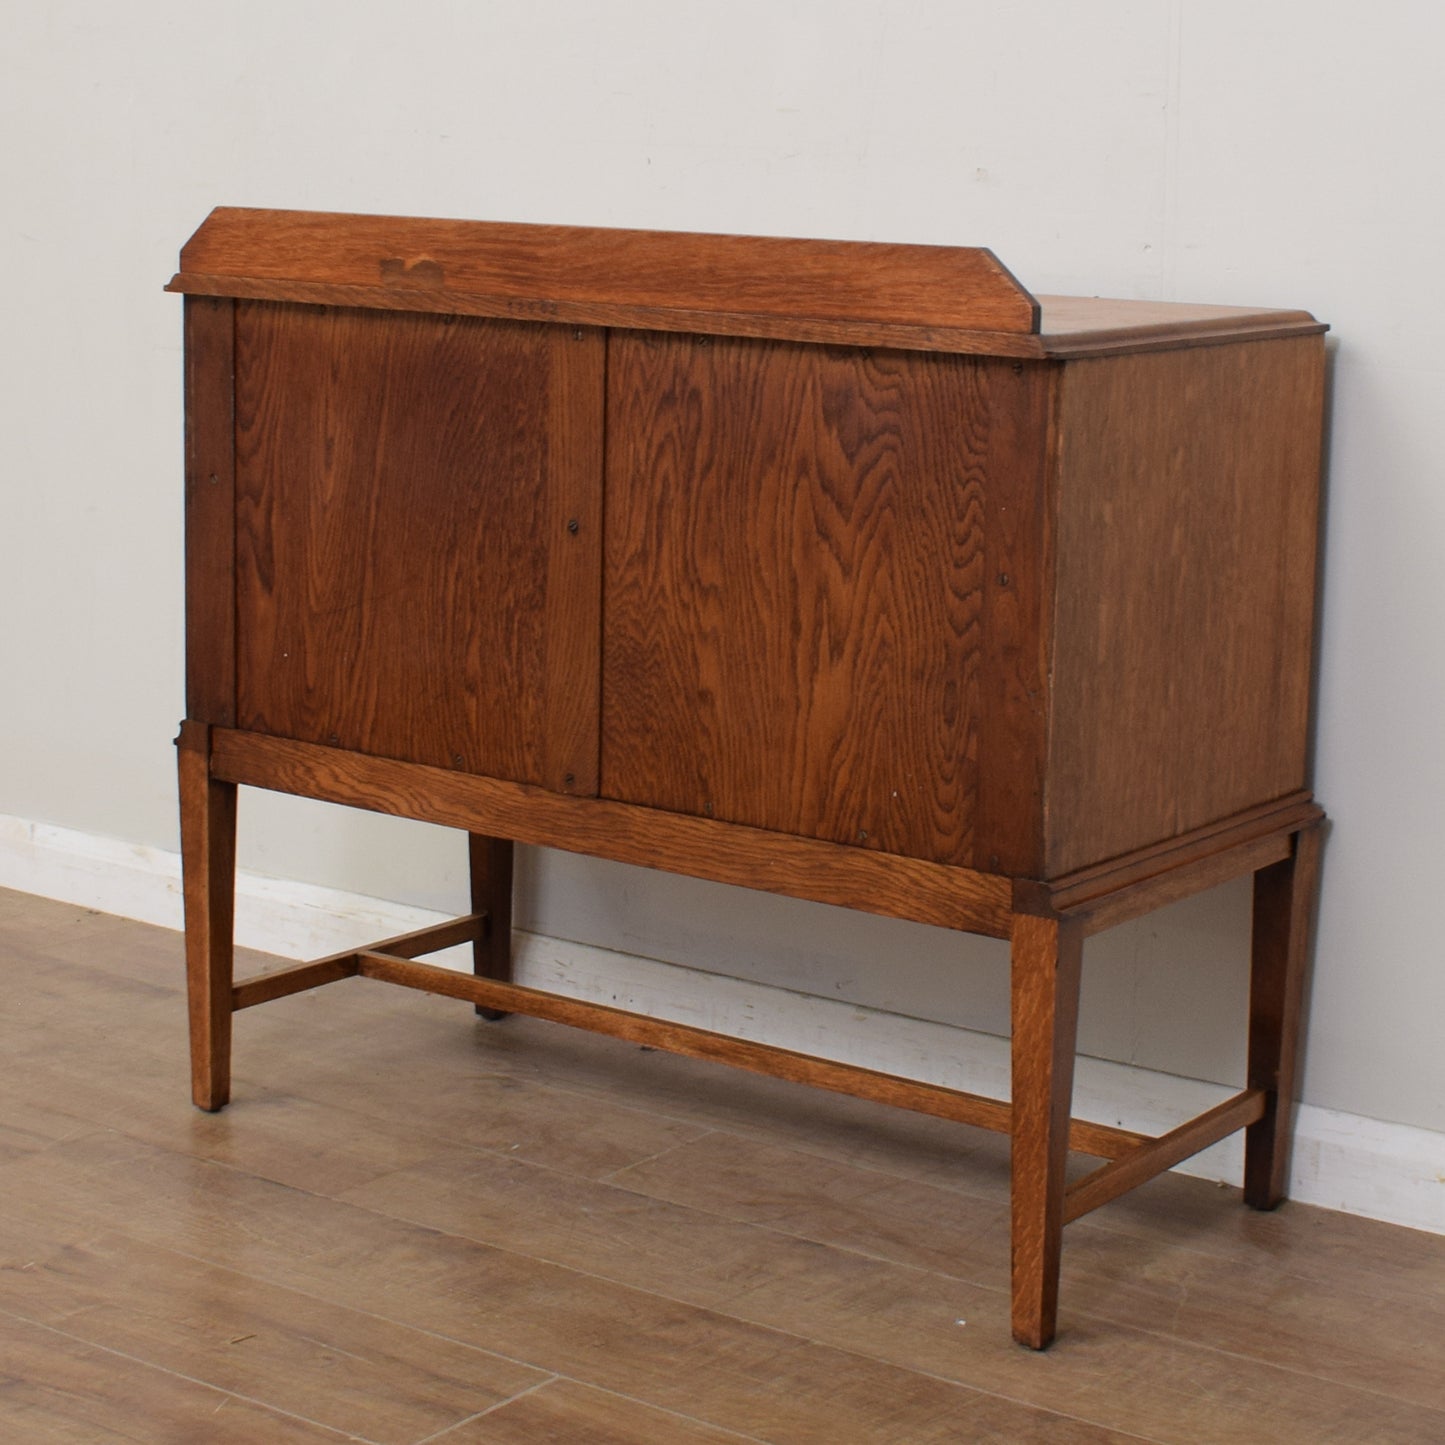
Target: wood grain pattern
{"type": "Point", "coordinates": [1188, 492]}
{"type": "Point", "coordinates": [1121, 331]}
{"type": "Point", "coordinates": [1080, 326]}
{"type": "Point", "coordinates": [721, 1250]}
{"type": "Point", "coordinates": [1183, 880]}
{"type": "Point", "coordinates": [564, 1411]}
{"type": "Point", "coordinates": [489, 875]}
{"type": "Point", "coordinates": [1154, 877]}
{"type": "Point", "coordinates": [210, 483]}
{"type": "Point", "coordinates": [926, 298]}
{"type": "Point", "coordinates": [1131, 1170]}
{"type": "Point", "coordinates": [1169, 1261]}
{"type": "Point", "coordinates": [59, 1389]}
{"type": "Point", "coordinates": [297, 978]}
{"type": "Point", "coordinates": [805, 549]}
{"type": "Point", "coordinates": [341, 1370]}
{"type": "Point", "coordinates": [714, 1360]}
{"type": "Point", "coordinates": [1281, 815]}
{"type": "Point", "coordinates": [397, 478]}
{"type": "Point", "coordinates": [796, 867]}
{"type": "Point", "coordinates": [443, 302]}
{"type": "Point", "coordinates": [1101, 1140]}
{"type": "Point", "coordinates": [1044, 964]}
{"type": "Point", "coordinates": [1285, 898]}
{"type": "Point", "coordinates": [282, 982]}
{"type": "Point", "coordinates": [208, 865]}
{"type": "Point", "coordinates": [769, 276]}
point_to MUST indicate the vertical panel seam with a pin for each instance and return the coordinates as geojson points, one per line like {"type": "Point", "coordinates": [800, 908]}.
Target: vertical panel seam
{"type": "Point", "coordinates": [604, 458]}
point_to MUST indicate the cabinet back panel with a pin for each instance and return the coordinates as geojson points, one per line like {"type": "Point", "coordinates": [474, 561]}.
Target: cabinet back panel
{"type": "Point", "coordinates": [1188, 493]}
{"type": "Point", "coordinates": [823, 581]}
{"type": "Point", "coordinates": [408, 584]}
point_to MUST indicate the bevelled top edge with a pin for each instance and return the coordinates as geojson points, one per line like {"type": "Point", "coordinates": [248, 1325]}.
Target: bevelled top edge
{"type": "Point", "coordinates": [512, 266]}
{"type": "Point", "coordinates": [860, 293]}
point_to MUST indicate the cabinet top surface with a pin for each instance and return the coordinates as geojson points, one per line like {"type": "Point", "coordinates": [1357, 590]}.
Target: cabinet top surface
{"type": "Point", "coordinates": [933, 298]}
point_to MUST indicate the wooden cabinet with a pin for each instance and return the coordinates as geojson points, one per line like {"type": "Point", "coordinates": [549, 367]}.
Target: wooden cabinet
{"type": "Point", "coordinates": [851, 572]}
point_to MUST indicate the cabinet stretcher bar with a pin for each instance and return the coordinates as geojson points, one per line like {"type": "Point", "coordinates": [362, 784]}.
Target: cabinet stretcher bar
{"type": "Point", "coordinates": [393, 962]}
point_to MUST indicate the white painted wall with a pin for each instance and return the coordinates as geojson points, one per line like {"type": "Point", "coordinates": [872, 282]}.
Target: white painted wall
{"type": "Point", "coordinates": [1280, 152]}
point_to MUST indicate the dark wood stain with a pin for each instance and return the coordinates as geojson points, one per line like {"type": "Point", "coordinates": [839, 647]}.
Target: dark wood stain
{"type": "Point", "coordinates": [210, 510]}
{"type": "Point", "coordinates": [797, 575]}
{"type": "Point", "coordinates": [397, 476]}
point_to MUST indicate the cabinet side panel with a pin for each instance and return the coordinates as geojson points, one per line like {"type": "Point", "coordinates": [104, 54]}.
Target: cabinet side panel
{"type": "Point", "coordinates": [418, 520]}
{"type": "Point", "coordinates": [1188, 499]}
{"type": "Point", "coordinates": [210, 510]}
{"type": "Point", "coordinates": [799, 571]}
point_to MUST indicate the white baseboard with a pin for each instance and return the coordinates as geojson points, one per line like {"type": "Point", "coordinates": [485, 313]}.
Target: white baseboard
{"type": "Point", "coordinates": [1380, 1170]}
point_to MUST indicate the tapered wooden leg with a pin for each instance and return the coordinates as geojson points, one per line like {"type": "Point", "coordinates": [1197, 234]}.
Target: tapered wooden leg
{"type": "Point", "coordinates": [1284, 903]}
{"type": "Point", "coordinates": [208, 866]}
{"type": "Point", "coordinates": [1044, 964]}
{"type": "Point", "coordinates": [491, 870]}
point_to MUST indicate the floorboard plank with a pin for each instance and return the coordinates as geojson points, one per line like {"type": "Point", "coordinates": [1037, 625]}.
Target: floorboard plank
{"type": "Point", "coordinates": [1152, 1283]}
{"type": "Point", "coordinates": [55, 1390]}
{"type": "Point", "coordinates": [906, 1315]}
{"type": "Point", "coordinates": [627, 1339]}
{"type": "Point", "coordinates": [565, 1410]}
{"type": "Point", "coordinates": [413, 1224]}
{"type": "Point", "coordinates": [568, 1412]}
{"type": "Point", "coordinates": [354, 1372]}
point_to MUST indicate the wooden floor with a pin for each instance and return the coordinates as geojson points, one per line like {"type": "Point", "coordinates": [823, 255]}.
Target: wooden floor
{"type": "Point", "coordinates": [415, 1226]}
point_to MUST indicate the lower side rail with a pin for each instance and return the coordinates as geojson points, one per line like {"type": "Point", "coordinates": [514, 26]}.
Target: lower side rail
{"type": "Point", "coordinates": [1135, 1157]}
